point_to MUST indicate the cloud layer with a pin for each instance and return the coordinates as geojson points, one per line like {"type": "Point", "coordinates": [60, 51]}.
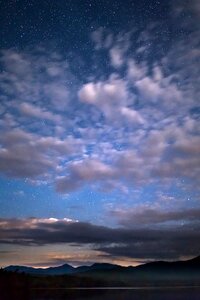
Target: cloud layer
{"type": "Point", "coordinates": [139, 127]}
{"type": "Point", "coordinates": [143, 243]}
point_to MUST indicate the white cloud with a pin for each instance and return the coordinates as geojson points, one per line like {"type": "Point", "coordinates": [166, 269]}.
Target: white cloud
{"type": "Point", "coordinates": [116, 56]}
{"type": "Point", "coordinates": [132, 115]}
{"type": "Point", "coordinates": [135, 72]}
{"type": "Point", "coordinates": [30, 110]}
{"type": "Point", "coordinates": [112, 97]}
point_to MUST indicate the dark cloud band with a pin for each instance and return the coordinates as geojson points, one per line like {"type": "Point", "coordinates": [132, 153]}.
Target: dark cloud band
{"type": "Point", "coordinates": [144, 243]}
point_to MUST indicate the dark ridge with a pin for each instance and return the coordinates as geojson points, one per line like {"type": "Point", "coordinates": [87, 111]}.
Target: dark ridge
{"type": "Point", "coordinates": [157, 266]}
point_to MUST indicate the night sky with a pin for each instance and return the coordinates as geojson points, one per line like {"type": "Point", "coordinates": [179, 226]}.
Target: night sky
{"type": "Point", "coordinates": [99, 131]}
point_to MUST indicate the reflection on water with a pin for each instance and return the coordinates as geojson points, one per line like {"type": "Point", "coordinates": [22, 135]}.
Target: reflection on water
{"type": "Point", "coordinates": [110, 294]}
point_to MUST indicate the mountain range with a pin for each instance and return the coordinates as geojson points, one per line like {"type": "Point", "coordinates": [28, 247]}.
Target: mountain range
{"type": "Point", "coordinates": [191, 267]}
{"type": "Point", "coordinates": [154, 274]}
{"type": "Point", "coordinates": [65, 269]}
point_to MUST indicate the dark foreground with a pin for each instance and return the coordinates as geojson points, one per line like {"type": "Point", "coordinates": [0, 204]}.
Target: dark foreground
{"type": "Point", "coordinates": [153, 281]}
{"type": "Point", "coordinates": [106, 294]}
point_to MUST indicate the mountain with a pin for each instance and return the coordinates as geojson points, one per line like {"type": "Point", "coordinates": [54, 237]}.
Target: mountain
{"type": "Point", "coordinates": [164, 266]}
{"type": "Point", "coordinates": [20, 282]}
{"type": "Point", "coordinates": [159, 270]}
{"type": "Point", "coordinates": [22, 269]}
{"type": "Point", "coordinates": [60, 270]}
{"type": "Point", "coordinates": [97, 267]}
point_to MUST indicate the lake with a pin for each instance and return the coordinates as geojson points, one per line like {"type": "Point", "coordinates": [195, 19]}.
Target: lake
{"type": "Point", "coordinates": [179, 293]}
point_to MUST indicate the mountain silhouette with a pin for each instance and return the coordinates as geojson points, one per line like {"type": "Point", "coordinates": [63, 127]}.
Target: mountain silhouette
{"type": "Point", "coordinates": [152, 274]}
{"type": "Point", "coordinates": [191, 266]}
{"type": "Point", "coordinates": [60, 270]}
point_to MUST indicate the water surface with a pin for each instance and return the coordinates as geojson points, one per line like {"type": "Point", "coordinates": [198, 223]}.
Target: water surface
{"type": "Point", "coordinates": [117, 294]}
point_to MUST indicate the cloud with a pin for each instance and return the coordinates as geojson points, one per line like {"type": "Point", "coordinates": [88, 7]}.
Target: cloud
{"type": "Point", "coordinates": [116, 56]}
{"type": "Point", "coordinates": [30, 110]}
{"type": "Point", "coordinates": [35, 76]}
{"type": "Point", "coordinates": [132, 115]}
{"type": "Point", "coordinates": [80, 173]}
{"type": "Point", "coordinates": [101, 38]}
{"type": "Point", "coordinates": [166, 154]}
{"type": "Point", "coordinates": [20, 158]}
{"type": "Point", "coordinates": [112, 97]}
{"type": "Point", "coordinates": [144, 243]}
{"type": "Point", "coordinates": [24, 154]}
{"type": "Point", "coordinates": [128, 119]}
{"type": "Point", "coordinates": [187, 6]}
{"type": "Point", "coordinates": [105, 93]}
{"type": "Point", "coordinates": [143, 216]}
{"type": "Point", "coordinates": [135, 71]}
{"type": "Point", "coordinates": [108, 130]}
{"type": "Point", "coordinates": [156, 88]}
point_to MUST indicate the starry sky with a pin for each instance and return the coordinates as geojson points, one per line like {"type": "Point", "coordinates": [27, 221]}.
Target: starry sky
{"type": "Point", "coordinates": [99, 131]}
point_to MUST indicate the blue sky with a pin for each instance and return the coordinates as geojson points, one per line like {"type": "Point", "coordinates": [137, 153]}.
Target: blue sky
{"type": "Point", "coordinates": [99, 106]}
